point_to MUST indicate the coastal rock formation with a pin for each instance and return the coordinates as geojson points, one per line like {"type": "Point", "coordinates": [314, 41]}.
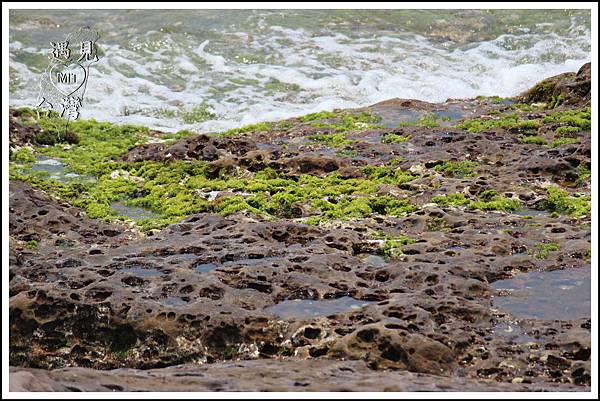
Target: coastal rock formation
{"type": "Point", "coordinates": [346, 250]}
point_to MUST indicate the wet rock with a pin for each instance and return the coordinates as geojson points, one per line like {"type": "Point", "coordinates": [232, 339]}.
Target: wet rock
{"type": "Point", "coordinates": [270, 375]}
{"type": "Point", "coordinates": [368, 308]}
{"type": "Point", "coordinates": [572, 88]}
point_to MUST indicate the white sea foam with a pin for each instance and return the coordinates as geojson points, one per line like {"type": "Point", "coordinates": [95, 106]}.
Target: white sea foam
{"type": "Point", "coordinates": [290, 72]}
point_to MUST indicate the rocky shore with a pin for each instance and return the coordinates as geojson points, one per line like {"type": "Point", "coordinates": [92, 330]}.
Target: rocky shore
{"type": "Point", "coordinates": [351, 250]}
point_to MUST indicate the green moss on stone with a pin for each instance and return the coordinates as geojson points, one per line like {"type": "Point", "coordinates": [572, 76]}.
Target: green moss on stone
{"type": "Point", "coordinates": [332, 140]}
{"type": "Point", "coordinates": [559, 201]}
{"type": "Point", "coordinates": [487, 200]}
{"type": "Point", "coordinates": [430, 120]}
{"type": "Point", "coordinates": [508, 121]}
{"type": "Point", "coordinates": [580, 118]}
{"type": "Point", "coordinates": [394, 138]}
{"type": "Point", "coordinates": [563, 141]}
{"type": "Point", "coordinates": [259, 127]}
{"type": "Point", "coordinates": [542, 250]}
{"type": "Point", "coordinates": [459, 169]}
{"type": "Point", "coordinates": [22, 156]}
{"type": "Point", "coordinates": [533, 140]}
{"type": "Point", "coordinates": [455, 199]}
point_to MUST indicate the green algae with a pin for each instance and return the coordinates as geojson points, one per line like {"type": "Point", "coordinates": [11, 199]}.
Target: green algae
{"type": "Point", "coordinates": [585, 174]}
{"type": "Point", "coordinates": [430, 120]}
{"type": "Point", "coordinates": [563, 141]}
{"type": "Point", "coordinates": [392, 244]}
{"type": "Point", "coordinates": [570, 121]}
{"type": "Point", "coordinates": [177, 189]}
{"type": "Point", "coordinates": [388, 175]}
{"type": "Point", "coordinates": [559, 201]}
{"type": "Point", "coordinates": [556, 101]}
{"type": "Point", "coordinates": [22, 156]}
{"type": "Point", "coordinates": [258, 127]}
{"type": "Point", "coordinates": [99, 143]}
{"type": "Point", "coordinates": [32, 244]}
{"type": "Point", "coordinates": [343, 121]}
{"type": "Point", "coordinates": [346, 153]}
{"type": "Point", "coordinates": [533, 140]}
{"type": "Point", "coordinates": [493, 99]}
{"type": "Point", "coordinates": [436, 224]}
{"type": "Point", "coordinates": [542, 249]}
{"type": "Point", "coordinates": [395, 161]}
{"type": "Point", "coordinates": [577, 118]}
{"type": "Point", "coordinates": [323, 115]}
{"type": "Point", "coordinates": [390, 137]}
{"type": "Point", "coordinates": [332, 140]}
{"type": "Point", "coordinates": [495, 202]}
{"type": "Point", "coordinates": [455, 199]}
{"type": "Point", "coordinates": [508, 121]}
{"type": "Point", "coordinates": [566, 130]}
{"type": "Point", "coordinates": [487, 200]}
{"type": "Point", "coordinates": [459, 169]}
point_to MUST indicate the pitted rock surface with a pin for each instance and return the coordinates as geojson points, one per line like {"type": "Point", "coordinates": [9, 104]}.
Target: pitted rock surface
{"type": "Point", "coordinates": [90, 296]}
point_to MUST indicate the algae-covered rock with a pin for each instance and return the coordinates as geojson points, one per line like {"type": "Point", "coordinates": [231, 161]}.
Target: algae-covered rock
{"type": "Point", "coordinates": [367, 241]}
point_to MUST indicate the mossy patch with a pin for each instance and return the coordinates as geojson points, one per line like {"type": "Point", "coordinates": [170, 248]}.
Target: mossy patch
{"type": "Point", "coordinates": [332, 140]}
{"type": "Point", "coordinates": [533, 140]}
{"type": "Point", "coordinates": [585, 174]}
{"type": "Point", "coordinates": [390, 137]}
{"type": "Point", "coordinates": [559, 201]}
{"type": "Point", "coordinates": [566, 131]}
{"type": "Point", "coordinates": [436, 223]}
{"type": "Point", "coordinates": [430, 120]}
{"type": "Point", "coordinates": [177, 189]}
{"type": "Point", "coordinates": [22, 156]}
{"type": "Point", "coordinates": [542, 250]}
{"type": "Point", "coordinates": [509, 121]}
{"type": "Point", "coordinates": [345, 121]}
{"type": "Point", "coordinates": [563, 141]}
{"type": "Point", "coordinates": [392, 244]}
{"type": "Point", "coordinates": [577, 118]}
{"type": "Point", "coordinates": [388, 175]}
{"type": "Point", "coordinates": [492, 200]}
{"type": "Point", "coordinates": [323, 115]}
{"type": "Point", "coordinates": [259, 127]}
{"type": "Point", "coordinates": [458, 169]}
{"type": "Point", "coordinates": [487, 200]}
{"type": "Point", "coordinates": [197, 114]}
{"type": "Point", "coordinates": [32, 244]}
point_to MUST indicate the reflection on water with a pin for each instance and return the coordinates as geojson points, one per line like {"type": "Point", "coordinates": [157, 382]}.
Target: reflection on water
{"type": "Point", "coordinates": [512, 333]}
{"type": "Point", "coordinates": [393, 118]}
{"type": "Point", "coordinates": [204, 267]}
{"type": "Point", "coordinates": [559, 294]}
{"type": "Point", "coordinates": [56, 170]}
{"type": "Point", "coordinates": [134, 213]}
{"type": "Point", "coordinates": [305, 308]}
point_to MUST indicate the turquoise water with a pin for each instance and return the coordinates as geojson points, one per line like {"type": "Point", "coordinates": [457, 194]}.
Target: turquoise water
{"type": "Point", "coordinates": [211, 70]}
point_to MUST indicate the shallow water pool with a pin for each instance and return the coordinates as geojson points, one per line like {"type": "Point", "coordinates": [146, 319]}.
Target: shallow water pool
{"type": "Point", "coordinates": [559, 294]}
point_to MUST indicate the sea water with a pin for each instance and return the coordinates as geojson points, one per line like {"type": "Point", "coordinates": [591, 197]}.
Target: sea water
{"type": "Point", "coordinates": [237, 67]}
